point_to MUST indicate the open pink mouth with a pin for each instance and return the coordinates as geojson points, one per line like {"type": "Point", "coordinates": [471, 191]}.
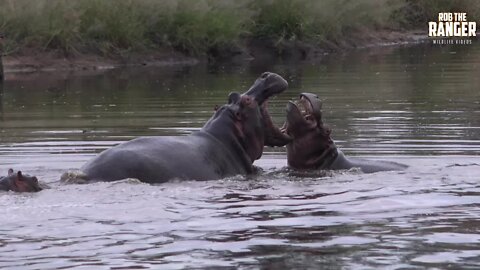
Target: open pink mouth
{"type": "Point", "coordinates": [303, 107]}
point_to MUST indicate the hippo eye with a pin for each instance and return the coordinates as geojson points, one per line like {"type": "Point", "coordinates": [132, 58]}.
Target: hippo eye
{"type": "Point", "coordinates": [308, 117]}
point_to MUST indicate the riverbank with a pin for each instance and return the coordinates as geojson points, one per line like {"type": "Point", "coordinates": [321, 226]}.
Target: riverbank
{"type": "Point", "coordinates": [36, 60]}
{"type": "Point", "coordinates": [90, 34]}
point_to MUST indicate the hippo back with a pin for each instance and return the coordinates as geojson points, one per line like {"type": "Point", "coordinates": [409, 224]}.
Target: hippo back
{"type": "Point", "coordinates": [159, 159]}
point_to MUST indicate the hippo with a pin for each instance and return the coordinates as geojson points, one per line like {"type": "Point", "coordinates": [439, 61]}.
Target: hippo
{"type": "Point", "coordinates": [312, 146]}
{"type": "Point", "coordinates": [19, 182]}
{"type": "Point", "coordinates": [227, 145]}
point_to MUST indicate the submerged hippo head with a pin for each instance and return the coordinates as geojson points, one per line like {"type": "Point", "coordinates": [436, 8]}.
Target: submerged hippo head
{"type": "Point", "coordinates": [311, 147]}
{"type": "Point", "coordinates": [245, 119]}
{"type": "Point", "coordinates": [19, 182]}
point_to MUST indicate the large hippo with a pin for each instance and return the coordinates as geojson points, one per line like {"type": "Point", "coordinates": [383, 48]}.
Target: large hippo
{"type": "Point", "coordinates": [228, 144]}
{"type": "Point", "coordinates": [19, 182]}
{"type": "Point", "coordinates": [312, 146]}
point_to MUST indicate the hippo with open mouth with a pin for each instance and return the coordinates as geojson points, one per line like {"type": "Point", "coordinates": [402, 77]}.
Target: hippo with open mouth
{"type": "Point", "coordinates": [313, 148]}
{"type": "Point", "coordinates": [227, 145]}
{"type": "Point", "coordinates": [19, 182]}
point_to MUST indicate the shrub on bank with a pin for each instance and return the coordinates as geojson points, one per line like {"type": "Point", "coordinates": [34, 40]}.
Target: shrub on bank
{"type": "Point", "coordinates": [202, 26]}
{"type": "Point", "coordinates": [416, 13]}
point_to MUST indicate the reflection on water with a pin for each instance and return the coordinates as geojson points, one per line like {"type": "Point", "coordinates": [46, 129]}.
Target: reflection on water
{"type": "Point", "coordinates": [419, 106]}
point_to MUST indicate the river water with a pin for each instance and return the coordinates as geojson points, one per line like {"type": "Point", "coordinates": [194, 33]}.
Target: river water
{"type": "Point", "coordinates": [418, 105]}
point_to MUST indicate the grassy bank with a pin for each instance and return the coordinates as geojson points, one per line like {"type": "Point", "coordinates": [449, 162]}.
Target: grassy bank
{"type": "Point", "coordinates": [200, 27]}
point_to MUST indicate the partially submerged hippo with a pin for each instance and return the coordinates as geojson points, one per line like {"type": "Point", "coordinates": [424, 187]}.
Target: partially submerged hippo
{"type": "Point", "coordinates": [19, 182]}
{"type": "Point", "coordinates": [227, 145]}
{"type": "Point", "coordinates": [313, 148]}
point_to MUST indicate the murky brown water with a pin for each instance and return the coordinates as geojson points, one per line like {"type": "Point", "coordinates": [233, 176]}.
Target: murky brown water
{"type": "Point", "coordinates": [416, 105]}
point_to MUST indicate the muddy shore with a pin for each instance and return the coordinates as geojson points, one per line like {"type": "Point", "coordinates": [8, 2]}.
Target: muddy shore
{"type": "Point", "coordinates": [36, 60]}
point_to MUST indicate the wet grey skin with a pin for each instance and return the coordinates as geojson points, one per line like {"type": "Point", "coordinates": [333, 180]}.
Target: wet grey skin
{"type": "Point", "coordinates": [228, 144]}
{"type": "Point", "coordinates": [19, 182]}
{"type": "Point", "coordinates": [312, 146]}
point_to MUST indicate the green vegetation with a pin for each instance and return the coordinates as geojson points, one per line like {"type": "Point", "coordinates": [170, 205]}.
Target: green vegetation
{"type": "Point", "coordinates": [203, 26]}
{"type": "Point", "coordinates": [418, 13]}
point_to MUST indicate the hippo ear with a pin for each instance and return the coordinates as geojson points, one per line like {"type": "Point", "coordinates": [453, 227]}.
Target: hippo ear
{"type": "Point", "coordinates": [10, 171]}
{"type": "Point", "coordinates": [19, 175]}
{"type": "Point", "coordinates": [233, 97]}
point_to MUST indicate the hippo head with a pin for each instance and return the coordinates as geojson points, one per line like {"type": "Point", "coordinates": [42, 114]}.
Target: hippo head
{"type": "Point", "coordinates": [245, 120]}
{"type": "Point", "coordinates": [311, 147]}
{"type": "Point", "coordinates": [267, 85]}
{"type": "Point", "coordinates": [19, 182]}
